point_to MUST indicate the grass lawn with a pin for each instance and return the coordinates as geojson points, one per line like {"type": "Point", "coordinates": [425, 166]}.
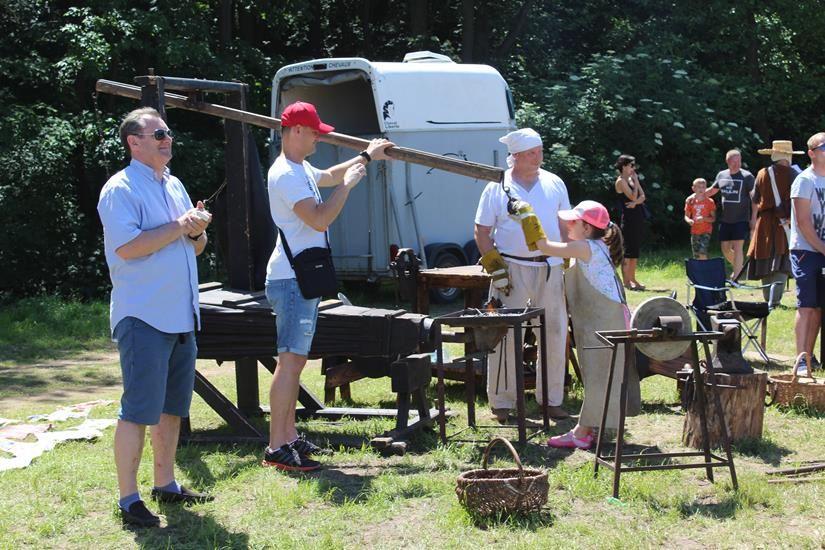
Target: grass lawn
{"type": "Point", "coordinates": [54, 353]}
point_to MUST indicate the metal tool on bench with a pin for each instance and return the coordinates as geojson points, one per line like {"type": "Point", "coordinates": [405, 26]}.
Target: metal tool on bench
{"type": "Point", "coordinates": [405, 268]}
{"type": "Point", "coordinates": [727, 351]}
{"type": "Point", "coordinates": [660, 329]}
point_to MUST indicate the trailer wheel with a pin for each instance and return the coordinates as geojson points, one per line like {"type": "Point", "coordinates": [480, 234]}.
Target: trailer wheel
{"type": "Point", "coordinates": [445, 295]}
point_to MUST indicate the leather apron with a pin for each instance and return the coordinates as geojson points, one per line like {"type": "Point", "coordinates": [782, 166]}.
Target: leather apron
{"type": "Point", "coordinates": [590, 311]}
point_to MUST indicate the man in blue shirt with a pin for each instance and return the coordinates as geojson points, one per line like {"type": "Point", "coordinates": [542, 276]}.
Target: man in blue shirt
{"type": "Point", "coordinates": [152, 234]}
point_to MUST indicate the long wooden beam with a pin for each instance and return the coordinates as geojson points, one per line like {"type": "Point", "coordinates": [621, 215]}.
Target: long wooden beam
{"type": "Point", "coordinates": [456, 166]}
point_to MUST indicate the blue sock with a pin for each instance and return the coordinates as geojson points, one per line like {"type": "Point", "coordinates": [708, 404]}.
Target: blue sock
{"type": "Point", "coordinates": [128, 500]}
{"type": "Point", "coordinates": [172, 487]}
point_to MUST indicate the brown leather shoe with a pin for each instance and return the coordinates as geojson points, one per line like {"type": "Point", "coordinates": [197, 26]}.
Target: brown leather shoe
{"type": "Point", "coordinates": [557, 413]}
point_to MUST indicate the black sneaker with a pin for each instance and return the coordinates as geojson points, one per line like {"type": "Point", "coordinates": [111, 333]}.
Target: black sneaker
{"type": "Point", "coordinates": [287, 458]}
{"type": "Point", "coordinates": [307, 448]}
{"type": "Point", "coordinates": [139, 515]}
{"type": "Point", "coordinates": [185, 496]}
{"type": "Point", "coordinates": [815, 363]}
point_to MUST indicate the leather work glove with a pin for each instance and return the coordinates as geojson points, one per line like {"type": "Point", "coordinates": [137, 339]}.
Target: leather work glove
{"type": "Point", "coordinates": [494, 264]}
{"type": "Point", "coordinates": [530, 224]}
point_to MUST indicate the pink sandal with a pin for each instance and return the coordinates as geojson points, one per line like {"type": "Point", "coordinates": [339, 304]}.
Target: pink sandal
{"type": "Point", "coordinates": [569, 441]}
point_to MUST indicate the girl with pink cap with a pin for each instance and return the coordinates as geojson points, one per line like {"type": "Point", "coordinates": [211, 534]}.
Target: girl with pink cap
{"type": "Point", "coordinates": [596, 301]}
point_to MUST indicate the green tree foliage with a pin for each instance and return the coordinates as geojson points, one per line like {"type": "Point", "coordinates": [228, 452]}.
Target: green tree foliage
{"type": "Point", "coordinates": [675, 84]}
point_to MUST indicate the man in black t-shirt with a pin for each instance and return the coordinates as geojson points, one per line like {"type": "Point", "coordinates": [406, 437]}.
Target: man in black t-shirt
{"type": "Point", "coordinates": [736, 217]}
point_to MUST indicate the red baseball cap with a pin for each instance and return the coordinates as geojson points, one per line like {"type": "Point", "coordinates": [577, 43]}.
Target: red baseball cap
{"type": "Point", "coordinates": [591, 212]}
{"type": "Point", "coordinates": [304, 114]}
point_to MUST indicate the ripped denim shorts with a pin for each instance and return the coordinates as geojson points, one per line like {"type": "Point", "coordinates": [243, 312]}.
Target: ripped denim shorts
{"type": "Point", "coordinates": [295, 316]}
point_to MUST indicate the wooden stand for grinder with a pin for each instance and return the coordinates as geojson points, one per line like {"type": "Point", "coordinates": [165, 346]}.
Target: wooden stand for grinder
{"type": "Point", "coordinates": [740, 389]}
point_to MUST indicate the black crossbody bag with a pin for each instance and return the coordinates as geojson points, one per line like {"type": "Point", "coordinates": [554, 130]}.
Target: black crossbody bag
{"type": "Point", "coordinates": [313, 268]}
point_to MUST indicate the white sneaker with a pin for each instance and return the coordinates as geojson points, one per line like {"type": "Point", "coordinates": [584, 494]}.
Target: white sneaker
{"type": "Point", "coordinates": [803, 368]}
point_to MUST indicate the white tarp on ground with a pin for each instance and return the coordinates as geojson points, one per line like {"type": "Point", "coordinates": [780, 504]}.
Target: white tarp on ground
{"type": "Point", "coordinates": [14, 438]}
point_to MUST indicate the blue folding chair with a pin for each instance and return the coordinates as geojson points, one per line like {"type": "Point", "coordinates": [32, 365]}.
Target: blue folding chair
{"type": "Point", "coordinates": [713, 293]}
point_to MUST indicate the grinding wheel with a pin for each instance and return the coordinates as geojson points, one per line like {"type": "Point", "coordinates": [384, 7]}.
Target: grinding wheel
{"type": "Point", "coordinates": [647, 316]}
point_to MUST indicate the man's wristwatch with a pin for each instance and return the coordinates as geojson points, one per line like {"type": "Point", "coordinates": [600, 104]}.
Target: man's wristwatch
{"type": "Point", "coordinates": [196, 237]}
{"type": "Point", "coordinates": [366, 156]}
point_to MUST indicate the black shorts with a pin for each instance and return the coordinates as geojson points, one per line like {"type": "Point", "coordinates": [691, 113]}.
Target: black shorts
{"type": "Point", "coordinates": [733, 231]}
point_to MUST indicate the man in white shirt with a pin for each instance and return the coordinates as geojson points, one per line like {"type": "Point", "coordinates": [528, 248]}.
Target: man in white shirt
{"type": "Point", "coordinates": [530, 275]}
{"type": "Point", "coordinates": [808, 248]}
{"type": "Point", "coordinates": [303, 218]}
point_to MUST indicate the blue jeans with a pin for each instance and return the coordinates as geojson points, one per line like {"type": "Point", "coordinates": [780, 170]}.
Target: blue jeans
{"type": "Point", "coordinates": [295, 316]}
{"type": "Point", "coordinates": [158, 371]}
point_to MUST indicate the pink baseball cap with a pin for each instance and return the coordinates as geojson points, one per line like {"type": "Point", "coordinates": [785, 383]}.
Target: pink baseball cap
{"type": "Point", "coordinates": [591, 212]}
{"type": "Point", "coordinates": [304, 114]}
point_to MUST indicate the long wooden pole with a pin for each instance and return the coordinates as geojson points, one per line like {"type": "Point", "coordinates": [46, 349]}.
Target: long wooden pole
{"type": "Point", "coordinates": [456, 166]}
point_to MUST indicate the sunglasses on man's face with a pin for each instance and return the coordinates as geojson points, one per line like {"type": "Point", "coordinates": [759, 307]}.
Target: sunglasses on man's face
{"type": "Point", "coordinates": [159, 134]}
{"type": "Point", "coordinates": [820, 147]}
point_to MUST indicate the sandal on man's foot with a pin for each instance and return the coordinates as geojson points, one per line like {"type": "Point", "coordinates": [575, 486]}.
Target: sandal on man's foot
{"type": "Point", "coordinates": [288, 459]}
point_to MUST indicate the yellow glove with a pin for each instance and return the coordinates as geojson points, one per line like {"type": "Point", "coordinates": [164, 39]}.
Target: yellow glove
{"type": "Point", "coordinates": [494, 264]}
{"type": "Point", "coordinates": [530, 224]}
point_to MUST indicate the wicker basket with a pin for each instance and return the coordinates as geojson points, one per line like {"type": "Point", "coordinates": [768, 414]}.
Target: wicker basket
{"type": "Point", "coordinates": [795, 390]}
{"type": "Point", "coordinates": [496, 490]}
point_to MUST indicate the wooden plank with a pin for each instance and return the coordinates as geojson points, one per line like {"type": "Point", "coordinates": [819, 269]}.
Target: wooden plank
{"type": "Point", "coordinates": [474, 170]}
{"type": "Point", "coordinates": [205, 287]}
{"type": "Point", "coordinates": [463, 276]}
{"type": "Point", "coordinates": [329, 304]}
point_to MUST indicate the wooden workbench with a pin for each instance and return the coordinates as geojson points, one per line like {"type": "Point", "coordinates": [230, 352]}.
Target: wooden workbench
{"type": "Point", "coordinates": [470, 278]}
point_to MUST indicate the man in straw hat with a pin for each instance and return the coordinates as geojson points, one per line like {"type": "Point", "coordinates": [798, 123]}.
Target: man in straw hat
{"type": "Point", "coordinates": [521, 274]}
{"type": "Point", "coordinates": [768, 257]}
{"type": "Point", "coordinates": [808, 246]}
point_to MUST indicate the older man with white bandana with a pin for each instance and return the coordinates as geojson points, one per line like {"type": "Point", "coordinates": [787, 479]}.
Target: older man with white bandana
{"type": "Point", "coordinates": [520, 272]}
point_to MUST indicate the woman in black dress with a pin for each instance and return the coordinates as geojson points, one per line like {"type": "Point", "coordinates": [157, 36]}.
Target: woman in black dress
{"type": "Point", "coordinates": [633, 217]}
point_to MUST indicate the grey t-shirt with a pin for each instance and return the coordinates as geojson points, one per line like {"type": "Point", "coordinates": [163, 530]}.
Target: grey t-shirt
{"type": "Point", "coordinates": [735, 191]}
{"type": "Point", "coordinates": [808, 185]}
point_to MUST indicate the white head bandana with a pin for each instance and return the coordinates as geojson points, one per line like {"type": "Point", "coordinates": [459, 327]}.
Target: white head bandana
{"type": "Point", "coordinates": [519, 141]}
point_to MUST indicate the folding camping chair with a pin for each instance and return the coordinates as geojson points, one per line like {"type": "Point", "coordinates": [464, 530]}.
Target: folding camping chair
{"type": "Point", "coordinates": [711, 288]}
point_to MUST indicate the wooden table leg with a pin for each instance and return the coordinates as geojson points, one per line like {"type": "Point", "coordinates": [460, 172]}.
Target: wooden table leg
{"type": "Point", "coordinates": [422, 298]}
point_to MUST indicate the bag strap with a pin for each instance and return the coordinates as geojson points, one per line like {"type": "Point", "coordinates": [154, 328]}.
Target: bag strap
{"type": "Point", "coordinates": [777, 201]}
{"type": "Point", "coordinates": [286, 248]}
{"type": "Point", "coordinates": [289, 252]}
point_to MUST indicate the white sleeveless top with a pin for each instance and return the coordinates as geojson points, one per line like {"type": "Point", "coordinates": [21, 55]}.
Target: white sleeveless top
{"type": "Point", "coordinates": [599, 271]}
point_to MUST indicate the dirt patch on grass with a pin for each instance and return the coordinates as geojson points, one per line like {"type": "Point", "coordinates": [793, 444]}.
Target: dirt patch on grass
{"type": "Point", "coordinates": [402, 529]}
{"type": "Point", "coordinates": [60, 381]}
{"type": "Point", "coordinates": [65, 381]}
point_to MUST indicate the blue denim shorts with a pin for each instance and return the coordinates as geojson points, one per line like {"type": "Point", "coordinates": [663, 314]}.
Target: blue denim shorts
{"type": "Point", "coordinates": [158, 371]}
{"type": "Point", "coordinates": [807, 268]}
{"type": "Point", "coordinates": [295, 316]}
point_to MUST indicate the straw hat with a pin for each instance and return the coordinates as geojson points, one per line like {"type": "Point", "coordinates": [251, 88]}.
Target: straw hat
{"type": "Point", "coordinates": [780, 149]}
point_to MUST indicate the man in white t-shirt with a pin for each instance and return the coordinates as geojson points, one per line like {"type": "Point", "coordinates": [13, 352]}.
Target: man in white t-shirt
{"type": "Point", "coordinates": [808, 247]}
{"type": "Point", "coordinates": [524, 274]}
{"type": "Point", "coordinates": [303, 218]}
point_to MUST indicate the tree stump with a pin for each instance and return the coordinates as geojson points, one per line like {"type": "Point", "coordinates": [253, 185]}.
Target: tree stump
{"type": "Point", "coordinates": [744, 410]}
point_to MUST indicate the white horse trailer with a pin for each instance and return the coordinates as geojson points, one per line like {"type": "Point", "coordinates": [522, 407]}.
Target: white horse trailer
{"type": "Point", "coordinates": [429, 103]}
